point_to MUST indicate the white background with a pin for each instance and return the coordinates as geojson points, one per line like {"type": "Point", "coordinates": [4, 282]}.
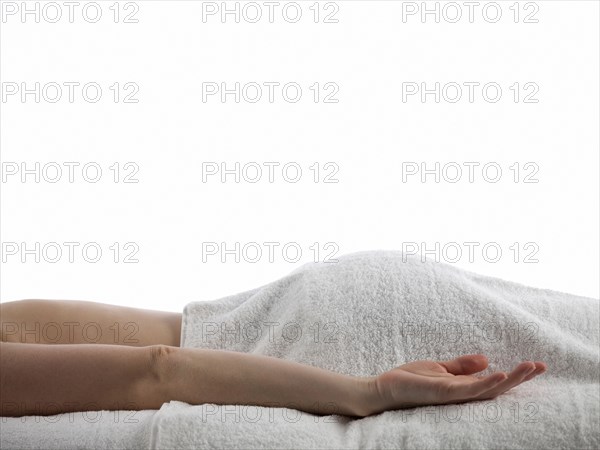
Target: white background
{"type": "Point", "coordinates": [369, 133]}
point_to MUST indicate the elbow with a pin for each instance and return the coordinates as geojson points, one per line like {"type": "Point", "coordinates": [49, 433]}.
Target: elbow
{"type": "Point", "coordinates": [156, 385]}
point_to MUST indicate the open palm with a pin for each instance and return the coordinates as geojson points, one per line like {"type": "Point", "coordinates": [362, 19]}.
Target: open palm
{"type": "Point", "coordinates": [433, 383]}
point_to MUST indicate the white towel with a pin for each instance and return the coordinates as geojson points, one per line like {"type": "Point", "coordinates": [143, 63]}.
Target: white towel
{"type": "Point", "coordinates": [373, 311]}
{"type": "Point", "coordinates": [78, 430]}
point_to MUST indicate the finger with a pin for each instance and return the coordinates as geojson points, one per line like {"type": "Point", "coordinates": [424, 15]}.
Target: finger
{"type": "Point", "coordinates": [466, 364]}
{"type": "Point", "coordinates": [515, 378]}
{"type": "Point", "coordinates": [464, 391]}
{"type": "Point", "coordinates": [540, 368]}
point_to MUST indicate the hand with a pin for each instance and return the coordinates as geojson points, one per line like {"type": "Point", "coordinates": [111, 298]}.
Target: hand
{"type": "Point", "coordinates": [434, 383]}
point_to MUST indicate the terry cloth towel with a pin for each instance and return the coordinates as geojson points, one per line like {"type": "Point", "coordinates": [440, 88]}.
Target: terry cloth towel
{"type": "Point", "coordinates": [78, 430]}
{"type": "Point", "coordinates": [372, 311]}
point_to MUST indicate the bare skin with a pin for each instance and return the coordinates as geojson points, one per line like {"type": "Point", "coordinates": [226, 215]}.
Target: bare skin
{"type": "Point", "coordinates": [38, 376]}
{"type": "Point", "coordinates": [81, 322]}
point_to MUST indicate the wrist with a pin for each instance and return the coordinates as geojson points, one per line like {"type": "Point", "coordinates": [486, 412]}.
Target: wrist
{"type": "Point", "coordinates": [365, 398]}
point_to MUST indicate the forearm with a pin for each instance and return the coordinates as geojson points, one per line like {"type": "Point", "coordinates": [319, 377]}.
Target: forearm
{"type": "Point", "coordinates": [199, 376]}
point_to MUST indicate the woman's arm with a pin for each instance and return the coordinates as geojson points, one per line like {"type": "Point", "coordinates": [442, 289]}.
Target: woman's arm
{"type": "Point", "coordinates": [228, 377]}
{"type": "Point", "coordinates": [96, 377]}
